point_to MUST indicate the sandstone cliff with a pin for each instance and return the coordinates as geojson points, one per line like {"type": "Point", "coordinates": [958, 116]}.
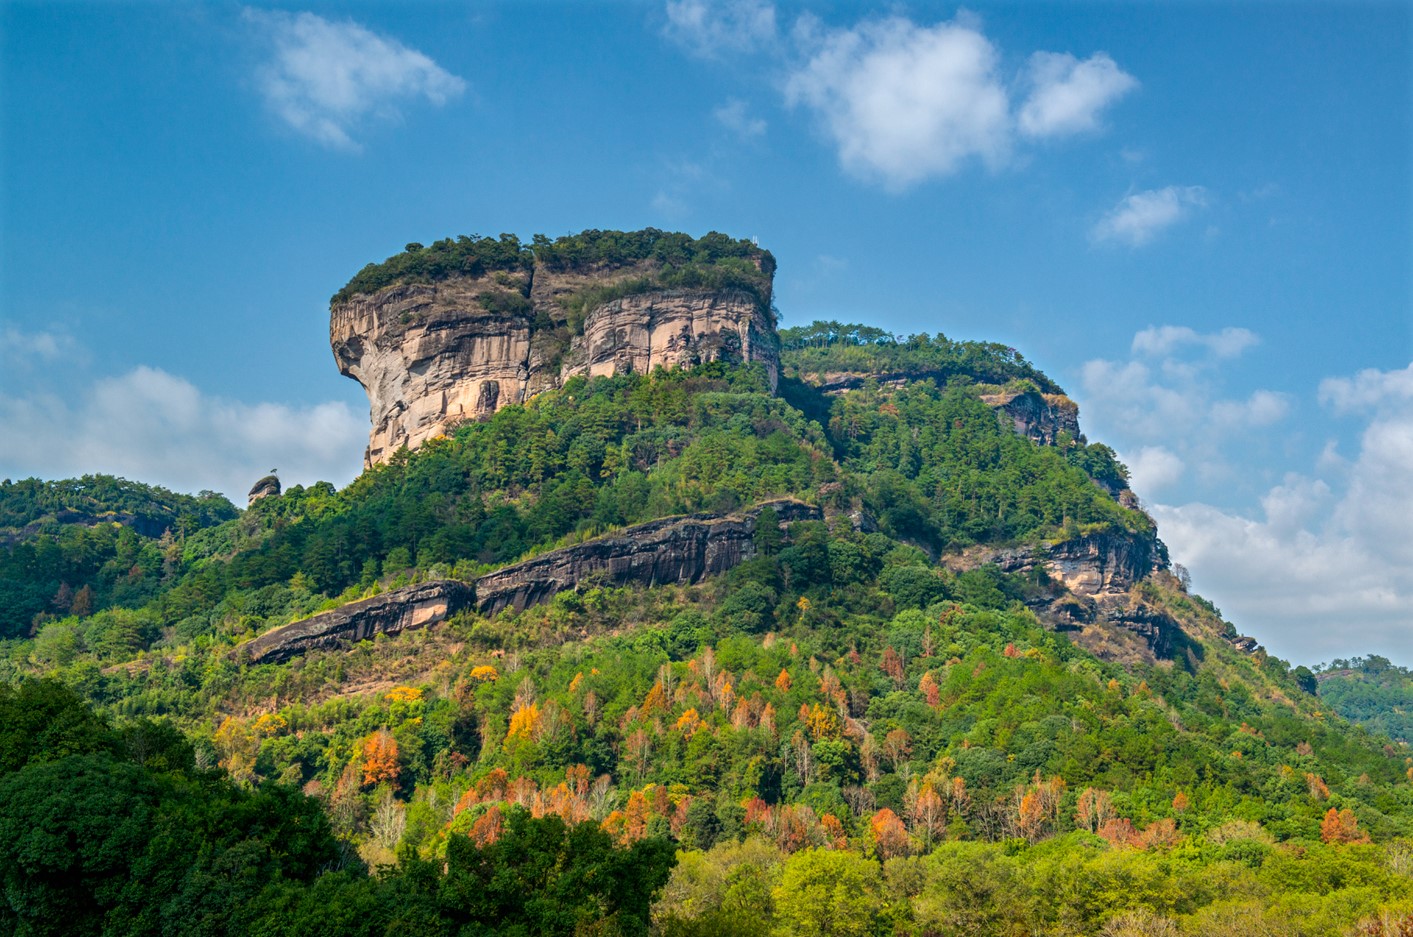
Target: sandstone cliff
{"type": "Point", "coordinates": [1095, 593]}
{"type": "Point", "coordinates": [460, 345]}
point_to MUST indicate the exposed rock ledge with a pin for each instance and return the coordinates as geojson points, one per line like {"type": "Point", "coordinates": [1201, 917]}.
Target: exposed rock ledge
{"type": "Point", "coordinates": [431, 355]}
{"type": "Point", "coordinates": [1099, 564]}
{"type": "Point", "coordinates": [414, 606]}
{"type": "Point", "coordinates": [1095, 577]}
{"type": "Point", "coordinates": [668, 551]}
{"type": "Point", "coordinates": [673, 550]}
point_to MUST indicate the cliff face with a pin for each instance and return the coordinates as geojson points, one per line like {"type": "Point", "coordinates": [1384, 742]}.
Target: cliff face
{"type": "Point", "coordinates": [1093, 595]}
{"type": "Point", "coordinates": [673, 328]}
{"type": "Point", "coordinates": [417, 606]}
{"type": "Point", "coordinates": [1039, 417]}
{"type": "Point", "coordinates": [675, 550]}
{"type": "Point", "coordinates": [433, 354]}
{"type": "Point", "coordinates": [430, 354]}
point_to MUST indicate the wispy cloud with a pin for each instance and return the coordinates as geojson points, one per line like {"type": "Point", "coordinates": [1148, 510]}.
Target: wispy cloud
{"type": "Point", "coordinates": [153, 426]}
{"type": "Point", "coordinates": [1168, 399]}
{"type": "Point", "coordinates": [1370, 389]}
{"type": "Point", "coordinates": [1140, 217]}
{"type": "Point", "coordinates": [1324, 566]}
{"type": "Point", "coordinates": [1158, 341]}
{"type": "Point", "coordinates": [1068, 95]}
{"type": "Point", "coordinates": [712, 29]}
{"type": "Point", "coordinates": [21, 350]}
{"type": "Point", "coordinates": [735, 116]}
{"type": "Point", "coordinates": [324, 78]}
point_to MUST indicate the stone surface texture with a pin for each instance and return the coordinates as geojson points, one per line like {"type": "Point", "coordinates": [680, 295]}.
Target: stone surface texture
{"type": "Point", "coordinates": [431, 355]}
{"type": "Point", "coordinates": [415, 606]}
{"type": "Point", "coordinates": [267, 487]}
{"type": "Point", "coordinates": [1039, 417]}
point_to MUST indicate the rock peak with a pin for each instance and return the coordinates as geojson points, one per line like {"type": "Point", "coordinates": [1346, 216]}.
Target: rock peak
{"type": "Point", "coordinates": [457, 330]}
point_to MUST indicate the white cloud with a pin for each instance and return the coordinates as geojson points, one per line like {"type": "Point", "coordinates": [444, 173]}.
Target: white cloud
{"type": "Point", "coordinates": [1158, 341]}
{"type": "Point", "coordinates": [711, 29]}
{"type": "Point", "coordinates": [324, 78]}
{"type": "Point", "coordinates": [1153, 468]}
{"type": "Point", "coordinates": [1262, 408]}
{"type": "Point", "coordinates": [1067, 95]}
{"type": "Point", "coordinates": [1326, 567]}
{"type": "Point", "coordinates": [18, 348]}
{"type": "Point", "coordinates": [1368, 389]}
{"type": "Point", "coordinates": [734, 116]}
{"type": "Point", "coordinates": [1138, 218]}
{"type": "Point", "coordinates": [904, 102]}
{"type": "Point", "coordinates": [154, 427]}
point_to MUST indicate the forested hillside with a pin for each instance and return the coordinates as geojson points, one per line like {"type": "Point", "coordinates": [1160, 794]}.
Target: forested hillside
{"type": "Point", "coordinates": [1373, 692]}
{"type": "Point", "coordinates": [867, 726]}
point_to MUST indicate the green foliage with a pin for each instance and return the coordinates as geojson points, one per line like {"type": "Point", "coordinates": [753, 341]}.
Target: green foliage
{"type": "Point", "coordinates": [535, 770]}
{"type": "Point", "coordinates": [824, 347]}
{"type": "Point", "coordinates": [941, 470]}
{"type": "Point", "coordinates": [81, 545]}
{"type": "Point", "coordinates": [470, 256]}
{"type": "Point", "coordinates": [544, 877]}
{"type": "Point", "coordinates": [94, 498]}
{"type": "Point", "coordinates": [670, 260]}
{"type": "Point", "coordinates": [1371, 691]}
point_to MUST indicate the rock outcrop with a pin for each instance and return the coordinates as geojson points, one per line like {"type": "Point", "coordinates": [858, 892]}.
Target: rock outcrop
{"type": "Point", "coordinates": [267, 487]}
{"type": "Point", "coordinates": [672, 550]}
{"type": "Point", "coordinates": [1039, 417]}
{"type": "Point", "coordinates": [1093, 594]}
{"type": "Point", "coordinates": [672, 328]}
{"type": "Point", "coordinates": [1099, 564]}
{"type": "Point", "coordinates": [432, 354]}
{"type": "Point", "coordinates": [415, 606]}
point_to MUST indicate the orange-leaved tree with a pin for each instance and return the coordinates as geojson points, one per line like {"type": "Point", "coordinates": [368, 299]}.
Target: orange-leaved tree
{"type": "Point", "coordinates": [379, 758]}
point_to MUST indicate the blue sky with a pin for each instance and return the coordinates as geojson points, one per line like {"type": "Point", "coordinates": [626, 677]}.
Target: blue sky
{"type": "Point", "coordinates": [1197, 217]}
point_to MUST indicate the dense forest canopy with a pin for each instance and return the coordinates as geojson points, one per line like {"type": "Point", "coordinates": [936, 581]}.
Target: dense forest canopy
{"type": "Point", "coordinates": [1372, 691]}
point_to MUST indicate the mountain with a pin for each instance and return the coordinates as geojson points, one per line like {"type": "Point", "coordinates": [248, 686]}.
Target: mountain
{"type": "Point", "coordinates": [686, 625]}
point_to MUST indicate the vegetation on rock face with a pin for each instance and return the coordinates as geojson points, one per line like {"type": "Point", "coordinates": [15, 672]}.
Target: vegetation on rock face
{"type": "Point", "coordinates": [469, 256]}
{"type": "Point", "coordinates": [81, 545]}
{"type": "Point", "coordinates": [839, 736]}
{"type": "Point", "coordinates": [670, 261]}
